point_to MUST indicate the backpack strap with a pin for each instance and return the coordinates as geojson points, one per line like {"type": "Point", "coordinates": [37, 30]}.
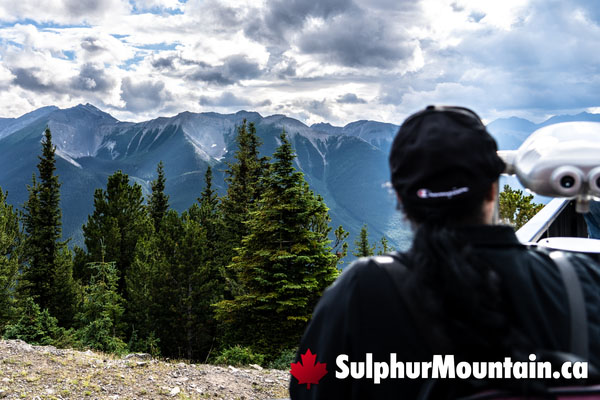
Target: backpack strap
{"type": "Point", "coordinates": [579, 329]}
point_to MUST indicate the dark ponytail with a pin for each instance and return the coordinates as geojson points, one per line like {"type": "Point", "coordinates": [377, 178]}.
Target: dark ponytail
{"type": "Point", "coordinates": [456, 295]}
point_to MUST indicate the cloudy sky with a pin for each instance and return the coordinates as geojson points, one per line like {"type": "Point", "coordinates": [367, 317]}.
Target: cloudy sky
{"type": "Point", "coordinates": [325, 60]}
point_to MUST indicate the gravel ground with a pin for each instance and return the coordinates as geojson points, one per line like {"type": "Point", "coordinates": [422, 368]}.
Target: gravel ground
{"type": "Point", "coordinates": [44, 372]}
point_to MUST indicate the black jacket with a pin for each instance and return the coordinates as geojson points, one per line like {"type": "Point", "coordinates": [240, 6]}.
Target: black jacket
{"type": "Point", "coordinates": [362, 312]}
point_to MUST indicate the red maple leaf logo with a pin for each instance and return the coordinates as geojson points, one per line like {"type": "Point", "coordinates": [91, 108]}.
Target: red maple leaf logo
{"type": "Point", "coordinates": [310, 371]}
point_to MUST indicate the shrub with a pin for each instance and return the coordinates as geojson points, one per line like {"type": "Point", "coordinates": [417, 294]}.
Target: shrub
{"type": "Point", "coordinates": [38, 327]}
{"type": "Point", "coordinates": [239, 356]}
{"type": "Point", "coordinates": [284, 360]}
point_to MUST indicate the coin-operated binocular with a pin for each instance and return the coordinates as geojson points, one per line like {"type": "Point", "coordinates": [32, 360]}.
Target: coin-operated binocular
{"type": "Point", "coordinates": [561, 160]}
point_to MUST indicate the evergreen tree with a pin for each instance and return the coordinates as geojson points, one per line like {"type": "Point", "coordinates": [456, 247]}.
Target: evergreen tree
{"type": "Point", "coordinates": [48, 278]}
{"type": "Point", "coordinates": [11, 254]}
{"type": "Point", "coordinates": [37, 327]}
{"type": "Point", "coordinates": [209, 199]}
{"type": "Point", "coordinates": [243, 185]}
{"type": "Point", "coordinates": [385, 246]}
{"type": "Point", "coordinates": [362, 247]}
{"type": "Point", "coordinates": [101, 313]}
{"type": "Point", "coordinates": [144, 279]}
{"type": "Point", "coordinates": [516, 208]}
{"type": "Point", "coordinates": [117, 223]}
{"type": "Point", "coordinates": [284, 263]}
{"type": "Point", "coordinates": [153, 286]}
{"type": "Point", "coordinates": [340, 247]}
{"type": "Point", "coordinates": [158, 202]}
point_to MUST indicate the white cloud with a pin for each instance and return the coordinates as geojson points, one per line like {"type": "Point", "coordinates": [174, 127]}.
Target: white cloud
{"type": "Point", "coordinates": [336, 60]}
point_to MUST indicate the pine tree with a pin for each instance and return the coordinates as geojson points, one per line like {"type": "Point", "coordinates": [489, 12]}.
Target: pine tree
{"type": "Point", "coordinates": [158, 202]}
{"type": "Point", "coordinates": [11, 258]}
{"type": "Point", "coordinates": [48, 278]}
{"type": "Point", "coordinates": [362, 246]}
{"type": "Point", "coordinates": [208, 199]}
{"type": "Point", "coordinates": [119, 220]}
{"type": "Point", "coordinates": [340, 247]}
{"type": "Point", "coordinates": [284, 263]}
{"type": "Point", "coordinates": [102, 310]}
{"type": "Point", "coordinates": [516, 208]}
{"type": "Point", "coordinates": [243, 185]}
{"type": "Point", "coordinates": [385, 246]}
{"type": "Point", "coordinates": [144, 279]}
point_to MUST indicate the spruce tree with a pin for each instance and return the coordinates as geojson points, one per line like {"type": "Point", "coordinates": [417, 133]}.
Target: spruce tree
{"type": "Point", "coordinates": [119, 220]}
{"type": "Point", "coordinates": [340, 247]}
{"type": "Point", "coordinates": [284, 263]}
{"type": "Point", "coordinates": [11, 257]}
{"type": "Point", "coordinates": [385, 246]}
{"type": "Point", "coordinates": [209, 199]}
{"type": "Point", "coordinates": [144, 279]}
{"type": "Point", "coordinates": [243, 178]}
{"type": "Point", "coordinates": [362, 247]}
{"type": "Point", "coordinates": [48, 278]}
{"type": "Point", "coordinates": [100, 319]}
{"type": "Point", "coordinates": [158, 202]}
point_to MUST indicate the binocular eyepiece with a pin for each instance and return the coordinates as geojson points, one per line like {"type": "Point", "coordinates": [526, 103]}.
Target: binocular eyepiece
{"type": "Point", "coordinates": [561, 160]}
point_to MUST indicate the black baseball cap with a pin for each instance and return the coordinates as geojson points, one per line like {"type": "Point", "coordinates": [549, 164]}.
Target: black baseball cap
{"type": "Point", "coordinates": [443, 155]}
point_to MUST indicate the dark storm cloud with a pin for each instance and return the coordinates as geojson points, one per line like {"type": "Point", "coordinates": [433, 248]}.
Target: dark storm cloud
{"type": "Point", "coordinates": [228, 99]}
{"type": "Point", "coordinates": [357, 41]}
{"type": "Point", "coordinates": [144, 95]}
{"type": "Point", "coordinates": [233, 69]}
{"type": "Point", "coordinates": [240, 67]}
{"type": "Point", "coordinates": [282, 16]}
{"type": "Point", "coordinates": [210, 75]}
{"type": "Point", "coordinates": [92, 45]}
{"type": "Point", "coordinates": [288, 68]}
{"type": "Point", "coordinates": [286, 14]}
{"type": "Point", "coordinates": [92, 78]}
{"type": "Point", "coordinates": [80, 8]}
{"type": "Point", "coordinates": [27, 78]}
{"type": "Point", "coordinates": [350, 98]}
{"type": "Point", "coordinates": [320, 108]}
{"type": "Point", "coordinates": [163, 63]}
{"type": "Point", "coordinates": [89, 79]}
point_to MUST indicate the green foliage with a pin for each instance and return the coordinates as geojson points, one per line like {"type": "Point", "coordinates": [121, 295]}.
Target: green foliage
{"type": "Point", "coordinates": [340, 246]}
{"type": "Point", "coordinates": [173, 282]}
{"type": "Point", "coordinates": [385, 246]}
{"type": "Point", "coordinates": [238, 356]}
{"type": "Point", "coordinates": [284, 263]}
{"type": "Point", "coordinates": [158, 202]}
{"type": "Point", "coordinates": [515, 208]}
{"type": "Point", "coordinates": [149, 345]}
{"type": "Point", "coordinates": [119, 220]}
{"type": "Point", "coordinates": [244, 187]}
{"type": "Point", "coordinates": [11, 258]}
{"type": "Point", "coordinates": [101, 311]}
{"type": "Point", "coordinates": [37, 327]}
{"type": "Point", "coordinates": [48, 275]}
{"type": "Point", "coordinates": [362, 247]}
{"type": "Point", "coordinates": [284, 360]}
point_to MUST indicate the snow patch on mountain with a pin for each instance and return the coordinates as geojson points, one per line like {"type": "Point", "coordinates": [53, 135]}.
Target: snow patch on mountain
{"type": "Point", "coordinates": [67, 158]}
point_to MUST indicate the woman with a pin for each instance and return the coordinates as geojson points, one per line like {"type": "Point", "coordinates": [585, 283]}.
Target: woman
{"type": "Point", "coordinates": [466, 288]}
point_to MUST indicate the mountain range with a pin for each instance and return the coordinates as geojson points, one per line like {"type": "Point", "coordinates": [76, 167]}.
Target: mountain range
{"type": "Point", "coordinates": [346, 165]}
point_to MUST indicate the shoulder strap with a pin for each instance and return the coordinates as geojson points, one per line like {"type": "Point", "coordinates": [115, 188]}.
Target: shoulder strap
{"type": "Point", "coordinates": [579, 331]}
{"type": "Point", "coordinates": [393, 264]}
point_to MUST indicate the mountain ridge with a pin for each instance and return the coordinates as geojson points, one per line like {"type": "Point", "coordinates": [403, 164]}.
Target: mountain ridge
{"type": "Point", "coordinates": [346, 165]}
